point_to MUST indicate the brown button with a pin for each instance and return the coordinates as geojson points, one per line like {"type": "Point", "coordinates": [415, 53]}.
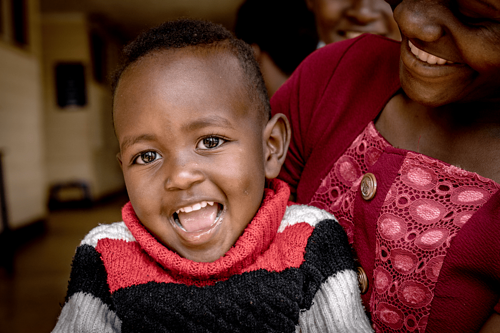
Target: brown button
{"type": "Point", "coordinates": [362, 280]}
{"type": "Point", "coordinates": [368, 186]}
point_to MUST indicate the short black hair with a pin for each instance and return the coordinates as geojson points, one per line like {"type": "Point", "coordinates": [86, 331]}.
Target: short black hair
{"type": "Point", "coordinates": [285, 29]}
{"type": "Point", "coordinates": [184, 33]}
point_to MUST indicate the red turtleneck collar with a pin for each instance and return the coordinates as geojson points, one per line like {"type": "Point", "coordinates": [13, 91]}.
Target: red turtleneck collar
{"type": "Point", "coordinates": [256, 239]}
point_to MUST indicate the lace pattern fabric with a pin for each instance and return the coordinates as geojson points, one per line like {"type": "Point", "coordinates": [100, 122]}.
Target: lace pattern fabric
{"type": "Point", "coordinates": [337, 190]}
{"type": "Point", "coordinates": [425, 208]}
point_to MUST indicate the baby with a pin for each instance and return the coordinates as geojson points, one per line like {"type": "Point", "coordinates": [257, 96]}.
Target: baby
{"type": "Point", "coordinates": [209, 241]}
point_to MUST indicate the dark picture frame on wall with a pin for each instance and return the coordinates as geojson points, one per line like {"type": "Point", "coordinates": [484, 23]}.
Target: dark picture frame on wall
{"type": "Point", "coordinates": [19, 22]}
{"type": "Point", "coordinates": [70, 85]}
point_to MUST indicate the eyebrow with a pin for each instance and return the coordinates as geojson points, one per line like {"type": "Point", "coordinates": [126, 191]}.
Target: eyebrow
{"type": "Point", "coordinates": [208, 121]}
{"type": "Point", "coordinates": [130, 140]}
{"type": "Point", "coordinates": [197, 124]}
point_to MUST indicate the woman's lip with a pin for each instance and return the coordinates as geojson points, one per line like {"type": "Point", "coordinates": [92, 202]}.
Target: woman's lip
{"type": "Point", "coordinates": [422, 69]}
{"type": "Point", "coordinates": [352, 34]}
{"type": "Point", "coordinates": [427, 57]}
{"type": "Point", "coordinates": [348, 34]}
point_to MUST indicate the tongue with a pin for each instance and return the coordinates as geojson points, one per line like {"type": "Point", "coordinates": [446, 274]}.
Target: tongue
{"type": "Point", "coordinates": [199, 219]}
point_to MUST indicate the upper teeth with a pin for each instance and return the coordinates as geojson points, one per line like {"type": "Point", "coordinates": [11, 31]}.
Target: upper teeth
{"type": "Point", "coordinates": [196, 206]}
{"type": "Point", "coordinates": [427, 57]}
{"type": "Point", "coordinates": [352, 34]}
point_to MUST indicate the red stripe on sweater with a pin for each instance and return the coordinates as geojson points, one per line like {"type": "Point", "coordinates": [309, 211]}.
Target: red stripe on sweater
{"type": "Point", "coordinates": [127, 264]}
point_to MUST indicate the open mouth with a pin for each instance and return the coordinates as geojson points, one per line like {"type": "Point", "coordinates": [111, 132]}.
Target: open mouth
{"type": "Point", "coordinates": [427, 57]}
{"type": "Point", "coordinates": [353, 34]}
{"type": "Point", "coordinates": [199, 217]}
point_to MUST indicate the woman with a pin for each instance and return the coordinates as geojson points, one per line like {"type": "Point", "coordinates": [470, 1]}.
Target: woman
{"type": "Point", "coordinates": [401, 142]}
{"type": "Point", "coordinates": [338, 20]}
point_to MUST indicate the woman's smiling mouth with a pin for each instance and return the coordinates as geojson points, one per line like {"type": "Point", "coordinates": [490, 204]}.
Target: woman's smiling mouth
{"type": "Point", "coordinates": [348, 34]}
{"type": "Point", "coordinates": [427, 57]}
{"type": "Point", "coordinates": [423, 66]}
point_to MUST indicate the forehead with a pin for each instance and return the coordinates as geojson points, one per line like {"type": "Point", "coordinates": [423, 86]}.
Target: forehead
{"type": "Point", "coordinates": [158, 69]}
{"type": "Point", "coordinates": [189, 79]}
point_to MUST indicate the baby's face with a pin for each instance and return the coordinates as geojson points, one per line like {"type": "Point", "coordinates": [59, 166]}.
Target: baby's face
{"type": "Point", "coordinates": [191, 150]}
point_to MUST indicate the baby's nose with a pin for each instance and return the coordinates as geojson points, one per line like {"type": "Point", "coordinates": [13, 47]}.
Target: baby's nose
{"type": "Point", "coordinates": [182, 173]}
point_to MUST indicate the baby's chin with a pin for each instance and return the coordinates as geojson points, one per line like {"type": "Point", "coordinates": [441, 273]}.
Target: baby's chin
{"type": "Point", "coordinates": [206, 252]}
{"type": "Point", "coordinates": [204, 255]}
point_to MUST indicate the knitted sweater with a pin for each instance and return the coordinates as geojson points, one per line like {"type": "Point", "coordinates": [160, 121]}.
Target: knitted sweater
{"type": "Point", "coordinates": [290, 271]}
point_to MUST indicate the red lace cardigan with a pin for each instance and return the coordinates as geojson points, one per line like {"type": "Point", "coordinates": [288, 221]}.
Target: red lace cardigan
{"type": "Point", "coordinates": [429, 239]}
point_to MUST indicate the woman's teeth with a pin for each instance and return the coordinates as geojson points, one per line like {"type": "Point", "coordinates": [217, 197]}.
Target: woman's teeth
{"type": "Point", "coordinates": [352, 34]}
{"type": "Point", "coordinates": [194, 207]}
{"type": "Point", "coordinates": [427, 57]}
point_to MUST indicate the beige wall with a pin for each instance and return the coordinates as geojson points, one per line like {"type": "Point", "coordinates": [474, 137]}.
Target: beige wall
{"type": "Point", "coordinates": [21, 125]}
{"type": "Point", "coordinates": [108, 175]}
{"type": "Point", "coordinates": [42, 144]}
{"type": "Point", "coordinates": [79, 144]}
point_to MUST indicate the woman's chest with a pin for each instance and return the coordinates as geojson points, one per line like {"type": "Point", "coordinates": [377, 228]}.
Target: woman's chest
{"type": "Point", "coordinates": [401, 210]}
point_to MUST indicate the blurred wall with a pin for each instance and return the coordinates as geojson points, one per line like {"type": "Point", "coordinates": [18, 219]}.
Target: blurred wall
{"type": "Point", "coordinates": [80, 139]}
{"type": "Point", "coordinates": [21, 120]}
{"type": "Point", "coordinates": [43, 144]}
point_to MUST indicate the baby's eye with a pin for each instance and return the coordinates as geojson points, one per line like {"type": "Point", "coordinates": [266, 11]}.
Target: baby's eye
{"type": "Point", "coordinates": [147, 157]}
{"type": "Point", "coordinates": [210, 142]}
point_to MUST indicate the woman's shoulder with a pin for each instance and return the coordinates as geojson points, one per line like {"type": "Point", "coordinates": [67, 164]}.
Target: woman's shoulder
{"type": "Point", "coordinates": [353, 67]}
{"type": "Point", "coordinates": [372, 42]}
{"type": "Point", "coordinates": [355, 55]}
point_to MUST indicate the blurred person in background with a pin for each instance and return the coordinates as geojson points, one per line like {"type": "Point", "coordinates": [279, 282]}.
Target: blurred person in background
{"type": "Point", "coordinates": [337, 20]}
{"type": "Point", "coordinates": [281, 32]}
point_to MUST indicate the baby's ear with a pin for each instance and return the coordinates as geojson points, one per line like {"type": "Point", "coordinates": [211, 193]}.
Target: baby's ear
{"type": "Point", "coordinates": [277, 135]}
